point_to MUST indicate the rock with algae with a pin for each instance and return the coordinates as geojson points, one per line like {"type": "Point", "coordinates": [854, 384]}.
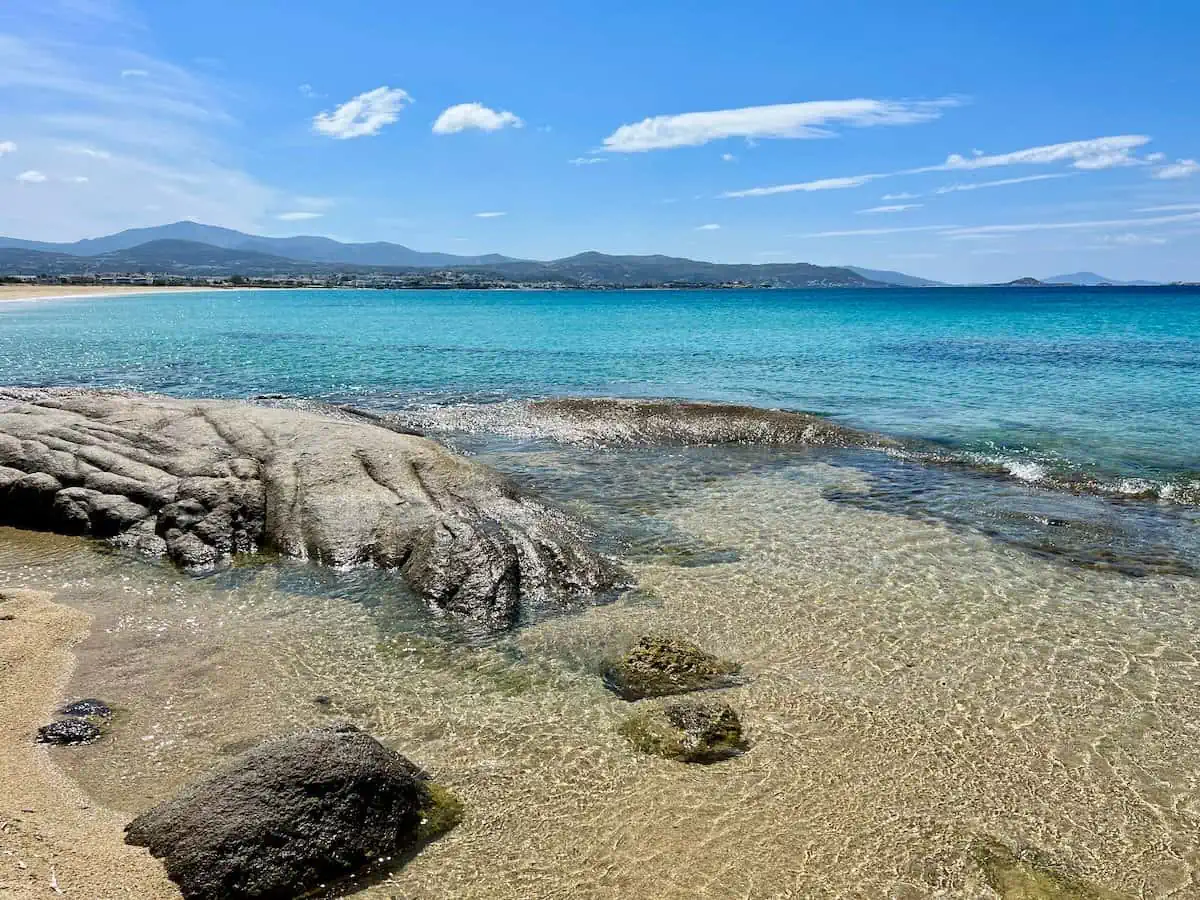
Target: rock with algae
{"type": "Point", "coordinates": [687, 731]}
{"type": "Point", "coordinates": [659, 666]}
{"type": "Point", "coordinates": [1028, 876]}
{"type": "Point", "coordinates": [294, 814]}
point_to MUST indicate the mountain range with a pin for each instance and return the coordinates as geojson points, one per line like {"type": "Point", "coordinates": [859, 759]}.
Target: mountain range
{"type": "Point", "coordinates": [192, 249]}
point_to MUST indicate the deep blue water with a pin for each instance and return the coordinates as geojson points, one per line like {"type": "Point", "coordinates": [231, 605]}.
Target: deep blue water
{"type": "Point", "coordinates": [1102, 380]}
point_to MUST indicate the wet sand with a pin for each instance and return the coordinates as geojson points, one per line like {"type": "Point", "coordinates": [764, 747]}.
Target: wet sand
{"type": "Point", "coordinates": [20, 293]}
{"type": "Point", "coordinates": [53, 838]}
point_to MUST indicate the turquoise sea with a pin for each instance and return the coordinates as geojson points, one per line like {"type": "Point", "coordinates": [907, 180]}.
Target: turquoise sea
{"type": "Point", "coordinates": [971, 653]}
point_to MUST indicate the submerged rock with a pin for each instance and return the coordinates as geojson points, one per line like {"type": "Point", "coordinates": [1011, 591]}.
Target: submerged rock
{"type": "Point", "coordinates": [293, 814]}
{"type": "Point", "coordinates": [687, 731]}
{"type": "Point", "coordinates": [200, 481]}
{"type": "Point", "coordinates": [658, 666]}
{"type": "Point", "coordinates": [87, 709]}
{"type": "Point", "coordinates": [68, 731]}
{"type": "Point", "coordinates": [1027, 877]}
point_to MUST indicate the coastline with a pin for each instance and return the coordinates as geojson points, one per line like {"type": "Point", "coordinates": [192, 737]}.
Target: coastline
{"type": "Point", "coordinates": [29, 293]}
{"type": "Point", "coordinates": [53, 838]}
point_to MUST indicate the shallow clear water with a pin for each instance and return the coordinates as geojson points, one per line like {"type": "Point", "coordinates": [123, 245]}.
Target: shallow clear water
{"type": "Point", "coordinates": [1106, 379]}
{"type": "Point", "coordinates": [935, 654]}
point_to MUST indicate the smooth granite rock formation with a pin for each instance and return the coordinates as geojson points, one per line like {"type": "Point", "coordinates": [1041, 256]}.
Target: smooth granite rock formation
{"type": "Point", "coordinates": [291, 815]}
{"type": "Point", "coordinates": [201, 480]}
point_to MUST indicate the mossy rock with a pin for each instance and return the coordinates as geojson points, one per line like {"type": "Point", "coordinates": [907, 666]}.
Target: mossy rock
{"type": "Point", "coordinates": [441, 812]}
{"type": "Point", "coordinates": [659, 666]}
{"type": "Point", "coordinates": [687, 731]}
{"type": "Point", "coordinates": [1029, 876]}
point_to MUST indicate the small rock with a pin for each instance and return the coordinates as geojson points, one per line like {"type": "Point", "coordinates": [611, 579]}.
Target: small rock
{"type": "Point", "coordinates": [86, 709]}
{"type": "Point", "coordinates": [68, 731]}
{"type": "Point", "coordinates": [292, 815]}
{"type": "Point", "coordinates": [1028, 876]}
{"type": "Point", "coordinates": [322, 700]}
{"type": "Point", "coordinates": [659, 666]}
{"type": "Point", "coordinates": [8, 617]}
{"type": "Point", "coordinates": [687, 731]}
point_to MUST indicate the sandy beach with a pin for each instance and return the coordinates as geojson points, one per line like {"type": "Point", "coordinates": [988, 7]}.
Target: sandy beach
{"type": "Point", "coordinates": [53, 839]}
{"type": "Point", "coordinates": [17, 293]}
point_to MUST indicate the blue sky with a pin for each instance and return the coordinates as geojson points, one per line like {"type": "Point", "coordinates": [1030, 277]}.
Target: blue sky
{"type": "Point", "coordinates": [955, 141]}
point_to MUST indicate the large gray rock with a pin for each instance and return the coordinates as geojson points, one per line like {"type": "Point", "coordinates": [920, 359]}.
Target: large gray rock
{"type": "Point", "coordinates": [290, 815]}
{"type": "Point", "coordinates": [200, 480]}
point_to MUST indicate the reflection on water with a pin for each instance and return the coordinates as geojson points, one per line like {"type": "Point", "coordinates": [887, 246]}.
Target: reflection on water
{"type": "Point", "coordinates": [913, 683]}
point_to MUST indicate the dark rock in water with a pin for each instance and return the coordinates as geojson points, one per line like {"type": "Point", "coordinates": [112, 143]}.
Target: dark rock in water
{"type": "Point", "coordinates": [293, 814]}
{"type": "Point", "coordinates": [658, 666]}
{"type": "Point", "coordinates": [200, 481]}
{"type": "Point", "coordinates": [687, 731]}
{"type": "Point", "coordinates": [68, 731]}
{"type": "Point", "coordinates": [1028, 876]}
{"type": "Point", "coordinates": [86, 709]}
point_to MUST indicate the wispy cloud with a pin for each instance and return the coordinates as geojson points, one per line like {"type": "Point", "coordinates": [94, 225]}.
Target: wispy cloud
{"type": "Point", "coordinates": [903, 195]}
{"type": "Point", "coordinates": [892, 208]}
{"type": "Point", "coordinates": [364, 115]}
{"type": "Point", "coordinates": [1169, 207]}
{"type": "Point", "coordinates": [7, 147]}
{"type": "Point", "coordinates": [728, 157]}
{"type": "Point", "coordinates": [490, 215]}
{"type": "Point", "coordinates": [813, 119]}
{"type": "Point", "coordinates": [821, 184]}
{"type": "Point", "coordinates": [1181, 168]}
{"type": "Point", "coordinates": [298, 216]}
{"type": "Point", "coordinates": [1071, 226]}
{"type": "Point", "coordinates": [307, 90]}
{"type": "Point", "coordinates": [31, 176]}
{"type": "Point", "coordinates": [712, 226]}
{"type": "Point", "coordinates": [468, 116]}
{"type": "Point", "coordinates": [134, 73]}
{"type": "Point", "coordinates": [872, 232]}
{"type": "Point", "coordinates": [1001, 182]}
{"type": "Point", "coordinates": [77, 179]}
{"type": "Point", "coordinates": [1133, 239]}
{"type": "Point", "coordinates": [587, 160]}
{"type": "Point", "coordinates": [1094, 153]}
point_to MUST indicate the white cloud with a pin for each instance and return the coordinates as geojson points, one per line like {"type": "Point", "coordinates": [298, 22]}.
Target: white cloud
{"type": "Point", "coordinates": [7, 147]}
{"type": "Point", "coordinates": [1155, 157]}
{"type": "Point", "coordinates": [1181, 168]}
{"type": "Point", "coordinates": [1096, 153]}
{"type": "Point", "coordinates": [364, 115]}
{"type": "Point", "coordinates": [134, 73]}
{"type": "Point", "coordinates": [307, 90]}
{"type": "Point", "coordinates": [903, 195]}
{"type": "Point", "coordinates": [77, 179]}
{"type": "Point", "coordinates": [821, 184]}
{"type": "Point", "coordinates": [712, 226]}
{"type": "Point", "coordinates": [298, 216]}
{"type": "Point", "coordinates": [587, 160]}
{"type": "Point", "coordinates": [871, 232]}
{"type": "Point", "coordinates": [1132, 239]}
{"type": "Point", "coordinates": [974, 186]}
{"type": "Point", "coordinates": [466, 116]}
{"type": "Point", "coordinates": [893, 208]}
{"type": "Point", "coordinates": [490, 215]}
{"type": "Point", "coordinates": [1068, 226]}
{"type": "Point", "coordinates": [32, 176]}
{"type": "Point", "coordinates": [728, 157]}
{"type": "Point", "coordinates": [783, 120]}
{"type": "Point", "coordinates": [1170, 207]}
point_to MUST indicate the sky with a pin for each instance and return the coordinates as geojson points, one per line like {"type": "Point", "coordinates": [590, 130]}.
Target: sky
{"type": "Point", "coordinates": [962, 142]}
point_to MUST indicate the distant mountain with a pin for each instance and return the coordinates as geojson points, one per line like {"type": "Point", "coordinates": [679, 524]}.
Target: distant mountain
{"type": "Point", "coordinates": [165, 257]}
{"type": "Point", "coordinates": [1024, 282]}
{"type": "Point", "coordinates": [194, 258]}
{"type": "Point", "coordinates": [886, 276]}
{"type": "Point", "coordinates": [308, 249]}
{"type": "Point", "coordinates": [638, 271]}
{"type": "Point", "coordinates": [1091, 279]}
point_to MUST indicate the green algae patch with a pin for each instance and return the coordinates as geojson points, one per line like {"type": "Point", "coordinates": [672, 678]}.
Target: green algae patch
{"type": "Point", "coordinates": [686, 732]}
{"type": "Point", "coordinates": [659, 666]}
{"type": "Point", "coordinates": [1029, 876]}
{"type": "Point", "coordinates": [441, 812]}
